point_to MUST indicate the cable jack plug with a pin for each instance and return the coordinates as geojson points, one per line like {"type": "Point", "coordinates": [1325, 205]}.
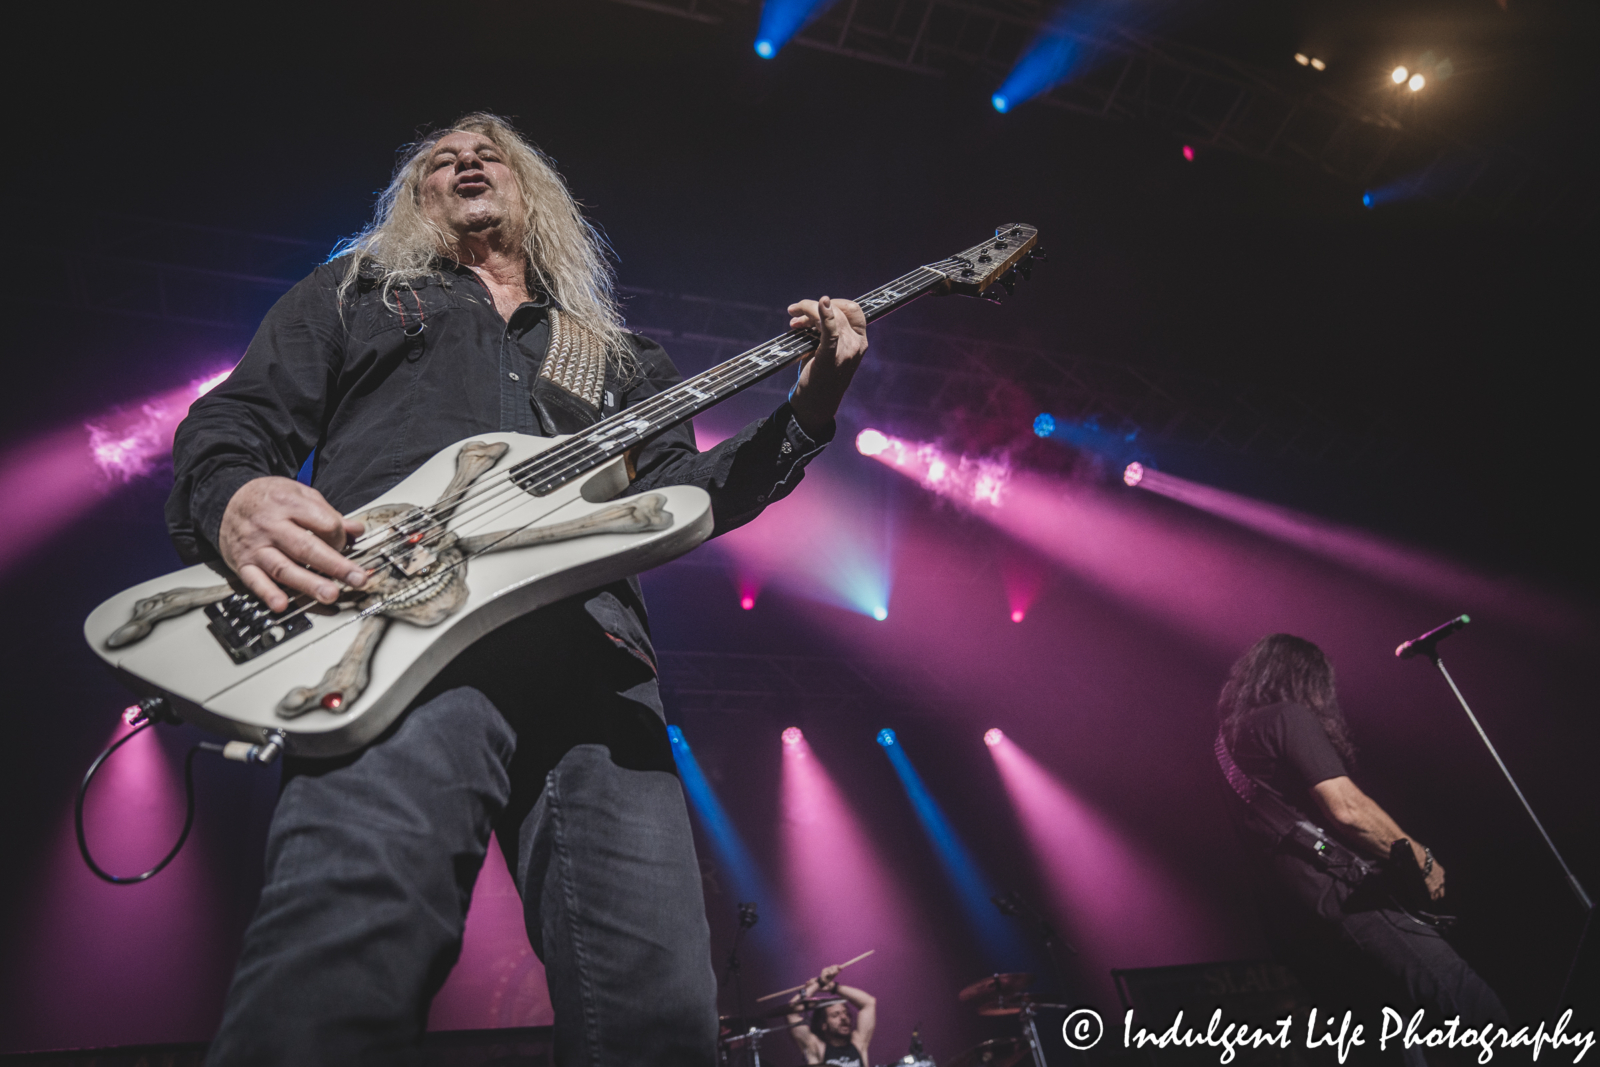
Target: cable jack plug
{"type": "Point", "coordinates": [150, 709]}
{"type": "Point", "coordinates": [245, 752]}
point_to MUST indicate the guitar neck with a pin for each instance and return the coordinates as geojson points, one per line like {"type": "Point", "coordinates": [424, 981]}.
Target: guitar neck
{"type": "Point", "coordinates": [613, 436]}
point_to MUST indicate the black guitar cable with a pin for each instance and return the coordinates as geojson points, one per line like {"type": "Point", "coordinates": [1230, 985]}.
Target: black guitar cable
{"type": "Point", "coordinates": [142, 716]}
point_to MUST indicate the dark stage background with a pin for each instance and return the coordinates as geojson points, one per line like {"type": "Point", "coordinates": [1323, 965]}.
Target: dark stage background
{"type": "Point", "coordinates": [1455, 338]}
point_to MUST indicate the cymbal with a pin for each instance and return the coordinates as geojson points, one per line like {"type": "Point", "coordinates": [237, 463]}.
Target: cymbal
{"type": "Point", "coordinates": [996, 985]}
{"type": "Point", "coordinates": [999, 1052]}
{"type": "Point", "coordinates": [1013, 1005]}
{"type": "Point", "coordinates": [735, 1029]}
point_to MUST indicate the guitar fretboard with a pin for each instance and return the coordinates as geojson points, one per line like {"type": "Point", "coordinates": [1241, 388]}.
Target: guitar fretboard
{"type": "Point", "coordinates": [613, 436]}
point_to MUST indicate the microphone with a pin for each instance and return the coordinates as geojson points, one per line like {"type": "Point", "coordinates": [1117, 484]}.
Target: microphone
{"type": "Point", "coordinates": [747, 916]}
{"type": "Point", "coordinates": [1424, 644]}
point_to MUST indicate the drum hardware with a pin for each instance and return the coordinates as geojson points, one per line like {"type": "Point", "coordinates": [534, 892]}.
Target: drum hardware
{"type": "Point", "coordinates": [997, 1052]}
{"type": "Point", "coordinates": [995, 985]}
{"type": "Point", "coordinates": [739, 1029]}
{"type": "Point", "coordinates": [1001, 994]}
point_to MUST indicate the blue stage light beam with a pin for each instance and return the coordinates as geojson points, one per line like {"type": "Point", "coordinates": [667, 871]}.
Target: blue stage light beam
{"type": "Point", "coordinates": [1048, 63]}
{"type": "Point", "coordinates": [973, 889]}
{"type": "Point", "coordinates": [1058, 52]}
{"type": "Point", "coordinates": [782, 19]}
{"type": "Point", "coordinates": [1119, 447]}
{"type": "Point", "coordinates": [731, 853]}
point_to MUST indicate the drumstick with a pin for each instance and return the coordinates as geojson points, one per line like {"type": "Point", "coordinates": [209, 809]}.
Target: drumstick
{"type": "Point", "coordinates": [802, 985]}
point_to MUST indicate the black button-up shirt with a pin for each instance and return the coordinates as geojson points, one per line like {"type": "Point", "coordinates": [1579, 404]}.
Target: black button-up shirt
{"type": "Point", "coordinates": [377, 387]}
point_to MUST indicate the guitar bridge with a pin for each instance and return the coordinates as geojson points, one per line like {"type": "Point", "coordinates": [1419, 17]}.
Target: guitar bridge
{"type": "Point", "coordinates": [245, 627]}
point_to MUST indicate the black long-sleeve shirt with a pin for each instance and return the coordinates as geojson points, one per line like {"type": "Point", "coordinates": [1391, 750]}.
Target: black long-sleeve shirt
{"type": "Point", "coordinates": [377, 387]}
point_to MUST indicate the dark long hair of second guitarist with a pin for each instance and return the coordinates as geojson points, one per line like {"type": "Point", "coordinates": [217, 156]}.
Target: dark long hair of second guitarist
{"type": "Point", "coordinates": [1280, 668]}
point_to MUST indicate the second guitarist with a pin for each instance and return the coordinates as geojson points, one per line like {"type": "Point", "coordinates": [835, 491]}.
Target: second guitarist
{"type": "Point", "coordinates": [1338, 907]}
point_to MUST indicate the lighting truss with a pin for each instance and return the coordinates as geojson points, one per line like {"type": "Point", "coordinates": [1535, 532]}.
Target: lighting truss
{"type": "Point", "coordinates": [1205, 98]}
{"type": "Point", "coordinates": [917, 375]}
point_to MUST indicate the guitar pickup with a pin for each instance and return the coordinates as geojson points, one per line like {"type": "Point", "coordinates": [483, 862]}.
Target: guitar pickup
{"type": "Point", "coordinates": [245, 627]}
{"type": "Point", "coordinates": [409, 553]}
{"type": "Point", "coordinates": [411, 560]}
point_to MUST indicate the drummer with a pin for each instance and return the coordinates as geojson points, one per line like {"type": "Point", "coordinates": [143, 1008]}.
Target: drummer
{"type": "Point", "coordinates": [830, 1036]}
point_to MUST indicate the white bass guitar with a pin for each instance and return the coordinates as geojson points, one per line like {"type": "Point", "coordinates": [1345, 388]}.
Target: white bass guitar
{"type": "Point", "coordinates": [512, 523]}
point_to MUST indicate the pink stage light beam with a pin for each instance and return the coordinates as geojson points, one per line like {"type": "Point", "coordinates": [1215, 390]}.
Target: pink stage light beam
{"type": "Point", "coordinates": [1118, 903]}
{"type": "Point", "coordinates": [843, 896]}
{"type": "Point", "coordinates": [55, 478]}
{"type": "Point", "coordinates": [974, 481]}
{"type": "Point", "coordinates": [1365, 552]}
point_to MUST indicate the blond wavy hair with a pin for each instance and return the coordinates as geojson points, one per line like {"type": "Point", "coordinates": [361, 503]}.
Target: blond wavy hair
{"type": "Point", "coordinates": [567, 256]}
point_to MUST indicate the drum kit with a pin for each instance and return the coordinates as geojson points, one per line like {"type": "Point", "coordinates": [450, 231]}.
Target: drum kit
{"type": "Point", "coordinates": [744, 1032]}
{"type": "Point", "coordinates": [996, 995]}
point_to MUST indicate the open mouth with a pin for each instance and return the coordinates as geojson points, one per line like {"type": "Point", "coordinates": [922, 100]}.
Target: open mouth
{"type": "Point", "coordinates": [472, 186]}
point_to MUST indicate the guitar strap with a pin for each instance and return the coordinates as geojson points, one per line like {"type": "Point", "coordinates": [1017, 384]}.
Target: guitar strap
{"type": "Point", "coordinates": [1285, 823]}
{"type": "Point", "coordinates": [575, 359]}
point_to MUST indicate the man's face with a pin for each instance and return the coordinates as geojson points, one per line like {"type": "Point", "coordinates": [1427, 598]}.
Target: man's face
{"type": "Point", "coordinates": [836, 1021]}
{"type": "Point", "coordinates": [467, 187]}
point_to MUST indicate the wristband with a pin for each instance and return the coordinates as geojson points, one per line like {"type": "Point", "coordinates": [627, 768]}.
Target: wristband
{"type": "Point", "coordinates": [1427, 855]}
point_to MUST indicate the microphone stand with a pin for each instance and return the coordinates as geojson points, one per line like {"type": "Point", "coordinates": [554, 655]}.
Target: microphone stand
{"type": "Point", "coordinates": [1427, 645]}
{"type": "Point", "coordinates": [734, 969]}
{"type": "Point", "coordinates": [1014, 905]}
{"type": "Point", "coordinates": [1572, 880]}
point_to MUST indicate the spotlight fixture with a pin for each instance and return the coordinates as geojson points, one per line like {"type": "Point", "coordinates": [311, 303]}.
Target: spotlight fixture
{"type": "Point", "coordinates": [880, 613]}
{"type": "Point", "coordinates": [1317, 64]}
{"type": "Point", "coordinates": [1044, 424]}
{"type": "Point", "coordinates": [1188, 153]}
{"type": "Point", "coordinates": [1133, 473]}
{"type": "Point", "coordinates": [1416, 83]}
{"type": "Point", "coordinates": [793, 736]}
{"type": "Point", "coordinates": [1302, 59]}
{"type": "Point", "coordinates": [1001, 104]}
{"type": "Point", "coordinates": [1018, 615]}
{"type": "Point", "coordinates": [764, 49]}
{"type": "Point", "coordinates": [747, 602]}
{"type": "Point", "coordinates": [886, 737]}
{"type": "Point", "coordinates": [1399, 75]}
{"type": "Point", "coordinates": [993, 737]}
{"type": "Point", "coordinates": [871, 442]}
{"type": "Point", "coordinates": [1366, 199]}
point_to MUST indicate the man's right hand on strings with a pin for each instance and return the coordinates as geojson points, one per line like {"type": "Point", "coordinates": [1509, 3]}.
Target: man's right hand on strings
{"type": "Point", "coordinates": [278, 534]}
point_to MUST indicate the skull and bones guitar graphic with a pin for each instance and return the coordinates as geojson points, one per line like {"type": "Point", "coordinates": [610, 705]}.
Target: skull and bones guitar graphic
{"type": "Point", "coordinates": [513, 523]}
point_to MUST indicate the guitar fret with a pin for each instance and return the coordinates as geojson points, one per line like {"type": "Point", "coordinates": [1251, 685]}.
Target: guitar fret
{"type": "Point", "coordinates": [622, 431]}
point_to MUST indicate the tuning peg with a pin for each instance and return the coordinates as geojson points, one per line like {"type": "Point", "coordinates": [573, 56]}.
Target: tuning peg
{"type": "Point", "coordinates": [990, 294]}
{"type": "Point", "coordinates": [1026, 270]}
{"type": "Point", "coordinates": [1009, 282]}
{"type": "Point", "coordinates": [1039, 254]}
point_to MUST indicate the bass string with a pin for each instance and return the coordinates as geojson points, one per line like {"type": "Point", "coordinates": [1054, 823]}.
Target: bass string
{"type": "Point", "coordinates": [659, 407]}
{"type": "Point", "coordinates": [489, 494]}
{"type": "Point", "coordinates": [576, 453]}
{"type": "Point", "coordinates": [671, 407]}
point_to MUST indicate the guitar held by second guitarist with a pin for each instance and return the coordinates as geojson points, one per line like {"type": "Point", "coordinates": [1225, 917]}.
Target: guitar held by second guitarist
{"type": "Point", "coordinates": [1354, 912]}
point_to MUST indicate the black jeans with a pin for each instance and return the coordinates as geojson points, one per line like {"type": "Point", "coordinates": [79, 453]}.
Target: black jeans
{"type": "Point", "coordinates": [370, 865]}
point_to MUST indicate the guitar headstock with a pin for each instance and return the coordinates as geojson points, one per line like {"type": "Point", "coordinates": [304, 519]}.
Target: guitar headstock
{"type": "Point", "coordinates": [1000, 260]}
